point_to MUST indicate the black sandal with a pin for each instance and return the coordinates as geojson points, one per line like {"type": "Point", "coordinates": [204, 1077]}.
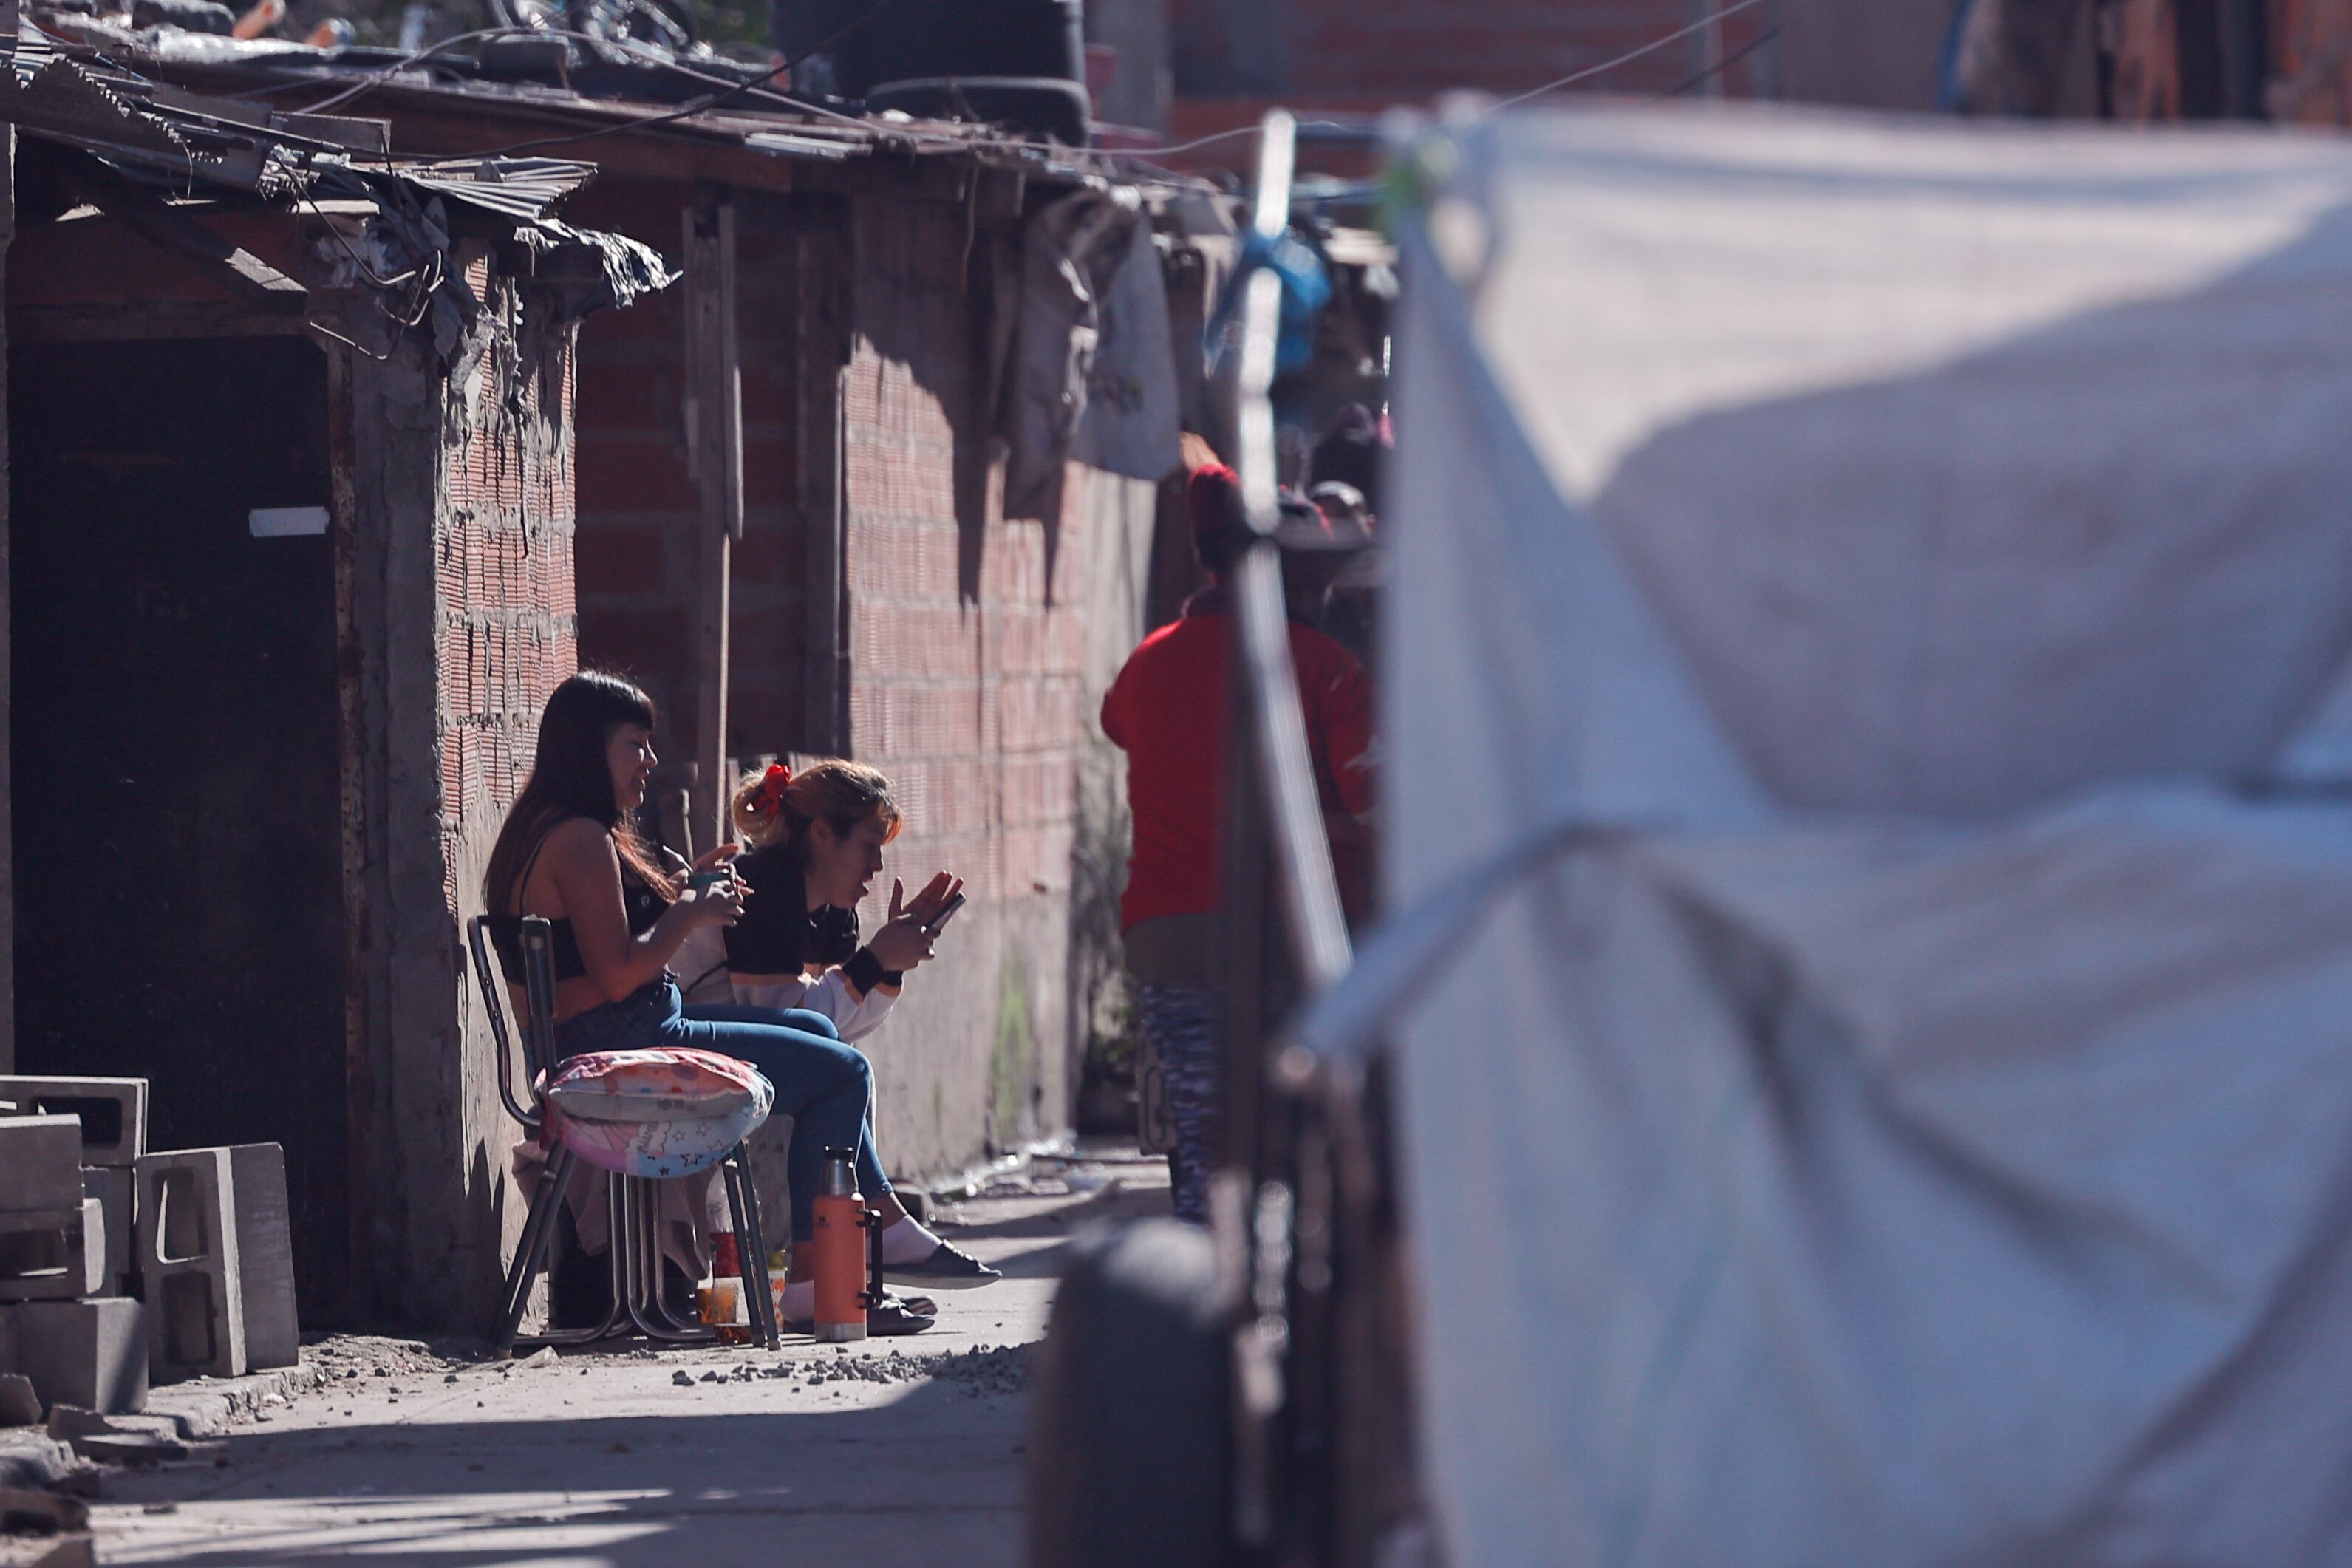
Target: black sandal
{"type": "Point", "coordinates": [948, 1266]}
{"type": "Point", "coordinates": [896, 1315]}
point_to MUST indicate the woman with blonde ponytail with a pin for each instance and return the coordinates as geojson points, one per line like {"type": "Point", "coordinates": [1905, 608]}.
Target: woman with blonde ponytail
{"type": "Point", "coordinates": [813, 847]}
{"type": "Point", "coordinates": [814, 843]}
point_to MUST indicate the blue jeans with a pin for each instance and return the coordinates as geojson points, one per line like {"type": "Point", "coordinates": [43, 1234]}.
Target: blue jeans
{"type": "Point", "coordinates": [824, 1085]}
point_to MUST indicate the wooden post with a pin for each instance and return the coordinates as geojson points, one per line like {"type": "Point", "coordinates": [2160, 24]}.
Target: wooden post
{"type": "Point", "coordinates": [714, 411]}
{"type": "Point", "coordinates": [822, 332]}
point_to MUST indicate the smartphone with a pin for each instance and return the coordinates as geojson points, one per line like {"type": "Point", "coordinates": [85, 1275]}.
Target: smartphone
{"type": "Point", "coordinates": [947, 912]}
{"type": "Point", "coordinates": [703, 882]}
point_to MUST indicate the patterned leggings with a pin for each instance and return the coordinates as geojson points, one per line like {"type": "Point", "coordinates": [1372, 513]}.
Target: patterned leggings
{"type": "Point", "coordinates": [1182, 1022]}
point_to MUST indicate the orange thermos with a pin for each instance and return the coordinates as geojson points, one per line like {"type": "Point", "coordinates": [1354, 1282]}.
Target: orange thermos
{"type": "Point", "coordinates": [848, 1247]}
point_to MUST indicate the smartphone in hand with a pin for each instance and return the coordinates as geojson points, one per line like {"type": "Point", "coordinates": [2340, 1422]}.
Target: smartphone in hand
{"type": "Point", "coordinates": [939, 923]}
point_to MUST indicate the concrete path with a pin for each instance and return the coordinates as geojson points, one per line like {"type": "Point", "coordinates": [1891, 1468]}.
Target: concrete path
{"type": "Point", "coordinates": [604, 1459]}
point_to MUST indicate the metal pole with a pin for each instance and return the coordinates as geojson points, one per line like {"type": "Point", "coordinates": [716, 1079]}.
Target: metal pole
{"type": "Point", "coordinates": [1302, 851]}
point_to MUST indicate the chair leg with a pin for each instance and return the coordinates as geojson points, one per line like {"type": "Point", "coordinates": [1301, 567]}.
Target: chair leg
{"type": "Point", "coordinates": [616, 1319]}
{"type": "Point", "coordinates": [531, 1255]}
{"type": "Point", "coordinates": [645, 1308]}
{"type": "Point", "coordinates": [751, 1246]}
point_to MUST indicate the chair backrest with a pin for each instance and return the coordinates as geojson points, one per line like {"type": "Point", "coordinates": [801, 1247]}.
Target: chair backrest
{"type": "Point", "coordinates": [538, 991]}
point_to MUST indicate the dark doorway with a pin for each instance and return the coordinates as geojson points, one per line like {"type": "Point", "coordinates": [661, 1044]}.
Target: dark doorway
{"type": "Point", "coordinates": [178, 861]}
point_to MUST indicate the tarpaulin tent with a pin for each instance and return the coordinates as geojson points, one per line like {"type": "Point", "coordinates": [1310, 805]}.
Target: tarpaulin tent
{"type": "Point", "coordinates": [1925, 1135]}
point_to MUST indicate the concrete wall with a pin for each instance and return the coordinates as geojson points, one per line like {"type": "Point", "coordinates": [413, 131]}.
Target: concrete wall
{"type": "Point", "coordinates": [463, 493]}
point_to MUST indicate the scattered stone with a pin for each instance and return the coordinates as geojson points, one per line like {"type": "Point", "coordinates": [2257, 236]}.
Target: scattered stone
{"type": "Point", "coordinates": [544, 1356]}
{"type": "Point", "coordinates": [682, 1377]}
{"type": "Point", "coordinates": [450, 1377]}
{"type": "Point", "coordinates": [160, 1507]}
{"type": "Point", "coordinates": [129, 1447]}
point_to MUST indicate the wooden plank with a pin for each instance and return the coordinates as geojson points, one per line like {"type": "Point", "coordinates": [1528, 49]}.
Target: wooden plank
{"type": "Point", "coordinates": [165, 319]}
{"type": "Point", "coordinates": [168, 228]}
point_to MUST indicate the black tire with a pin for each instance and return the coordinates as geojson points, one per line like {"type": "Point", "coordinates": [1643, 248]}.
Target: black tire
{"type": "Point", "coordinates": [1129, 1438]}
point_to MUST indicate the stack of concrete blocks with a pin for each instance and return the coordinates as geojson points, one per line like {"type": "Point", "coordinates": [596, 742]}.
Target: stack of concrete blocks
{"type": "Point", "coordinates": [68, 1151]}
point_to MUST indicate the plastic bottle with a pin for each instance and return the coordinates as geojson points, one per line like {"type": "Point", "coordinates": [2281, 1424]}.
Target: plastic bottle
{"type": "Point", "coordinates": [721, 1297]}
{"type": "Point", "coordinates": [847, 1284]}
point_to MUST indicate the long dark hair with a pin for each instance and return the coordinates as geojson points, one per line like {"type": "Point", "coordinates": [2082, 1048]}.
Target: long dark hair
{"type": "Point", "coordinates": [570, 777]}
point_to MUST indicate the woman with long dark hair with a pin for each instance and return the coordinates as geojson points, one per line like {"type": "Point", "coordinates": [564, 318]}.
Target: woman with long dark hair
{"type": "Point", "coordinates": [571, 852]}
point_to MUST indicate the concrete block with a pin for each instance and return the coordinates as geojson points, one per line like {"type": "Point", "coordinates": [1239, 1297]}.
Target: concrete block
{"type": "Point", "coordinates": [19, 1405]}
{"type": "Point", "coordinates": [90, 1353]}
{"type": "Point", "coordinates": [112, 1112]}
{"type": "Point", "coordinates": [112, 1187]}
{"type": "Point", "coordinates": [40, 1163]}
{"type": "Point", "coordinates": [264, 1257]}
{"type": "Point", "coordinates": [188, 1264]}
{"type": "Point", "coordinates": [55, 1256]}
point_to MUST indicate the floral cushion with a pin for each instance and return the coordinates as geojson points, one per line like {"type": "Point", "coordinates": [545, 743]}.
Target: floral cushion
{"type": "Point", "coordinates": [668, 1111]}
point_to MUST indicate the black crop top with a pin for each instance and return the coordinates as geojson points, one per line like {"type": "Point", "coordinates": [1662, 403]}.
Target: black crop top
{"type": "Point", "coordinates": [779, 933]}
{"type": "Point", "coordinates": [644, 906]}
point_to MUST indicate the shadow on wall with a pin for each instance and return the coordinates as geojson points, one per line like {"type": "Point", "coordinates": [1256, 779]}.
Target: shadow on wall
{"type": "Point", "coordinates": [935, 303]}
{"type": "Point", "coordinates": [2118, 543]}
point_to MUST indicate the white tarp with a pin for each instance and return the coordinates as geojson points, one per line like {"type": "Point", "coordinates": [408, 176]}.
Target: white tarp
{"type": "Point", "coordinates": [1930, 1141]}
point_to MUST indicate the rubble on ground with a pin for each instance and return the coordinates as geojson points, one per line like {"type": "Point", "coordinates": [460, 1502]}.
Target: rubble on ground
{"type": "Point", "coordinates": [983, 1369]}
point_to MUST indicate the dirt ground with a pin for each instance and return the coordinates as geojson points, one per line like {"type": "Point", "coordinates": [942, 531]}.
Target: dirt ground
{"type": "Point", "coordinates": [898, 1451]}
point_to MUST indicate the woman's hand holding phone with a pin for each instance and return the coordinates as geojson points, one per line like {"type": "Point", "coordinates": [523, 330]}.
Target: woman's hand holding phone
{"type": "Point", "coordinates": [905, 940]}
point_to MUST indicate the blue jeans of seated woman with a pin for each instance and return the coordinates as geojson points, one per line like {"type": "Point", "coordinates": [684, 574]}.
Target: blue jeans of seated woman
{"type": "Point", "coordinates": [824, 1085]}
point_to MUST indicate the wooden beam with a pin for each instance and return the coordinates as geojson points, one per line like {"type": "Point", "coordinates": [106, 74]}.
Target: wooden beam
{"type": "Point", "coordinates": [821, 332]}
{"type": "Point", "coordinates": [715, 457]}
{"type": "Point", "coordinates": [168, 228]}
{"type": "Point", "coordinates": [133, 320]}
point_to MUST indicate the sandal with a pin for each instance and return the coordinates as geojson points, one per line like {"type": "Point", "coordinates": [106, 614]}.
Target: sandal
{"type": "Point", "coordinates": [946, 1265]}
{"type": "Point", "coordinates": [896, 1315]}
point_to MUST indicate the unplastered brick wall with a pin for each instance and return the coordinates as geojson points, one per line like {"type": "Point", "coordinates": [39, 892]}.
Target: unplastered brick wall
{"type": "Point", "coordinates": [638, 504]}
{"type": "Point", "coordinates": [509, 626]}
{"type": "Point", "coordinates": [1410, 50]}
{"type": "Point", "coordinates": [967, 655]}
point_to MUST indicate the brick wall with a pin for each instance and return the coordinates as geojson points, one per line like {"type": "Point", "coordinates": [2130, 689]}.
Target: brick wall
{"type": "Point", "coordinates": [462, 619]}
{"type": "Point", "coordinates": [1410, 50]}
{"type": "Point", "coordinates": [966, 636]}
{"type": "Point", "coordinates": [638, 506]}
{"type": "Point", "coordinates": [968, 685]}
{"type": "Point", "coordinates": [509, 623]}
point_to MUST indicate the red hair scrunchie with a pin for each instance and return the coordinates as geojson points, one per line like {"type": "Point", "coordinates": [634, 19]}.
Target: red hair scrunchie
{"type": "Point", "coordinates": [778, 779]}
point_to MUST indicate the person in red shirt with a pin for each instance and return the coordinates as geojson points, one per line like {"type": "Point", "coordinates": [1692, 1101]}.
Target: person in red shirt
{"type": "Point", "coordinates": [1168, 710]}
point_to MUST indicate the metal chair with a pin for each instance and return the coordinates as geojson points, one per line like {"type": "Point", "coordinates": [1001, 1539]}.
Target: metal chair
{"type": "Point", "coordinates": [633, 1249]}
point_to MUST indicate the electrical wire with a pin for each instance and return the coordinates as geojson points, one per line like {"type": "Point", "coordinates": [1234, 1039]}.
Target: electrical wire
{"type": "Point", "coordinates": [1652, 47]}
{"type": "Point", "coordinates": [759, 86]}
{"type": "Point", "coordinates": [709, 101]}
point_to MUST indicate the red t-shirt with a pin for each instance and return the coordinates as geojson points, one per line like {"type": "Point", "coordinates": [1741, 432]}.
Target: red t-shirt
{"type": "Point", "coordinates": [1167, 711]}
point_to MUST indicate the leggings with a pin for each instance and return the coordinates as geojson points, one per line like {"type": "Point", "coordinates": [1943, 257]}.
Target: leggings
{"type": "Point", "coordinates": [1181, 1021]}
{"type": "Point", "coordinates": [824, 1085]}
